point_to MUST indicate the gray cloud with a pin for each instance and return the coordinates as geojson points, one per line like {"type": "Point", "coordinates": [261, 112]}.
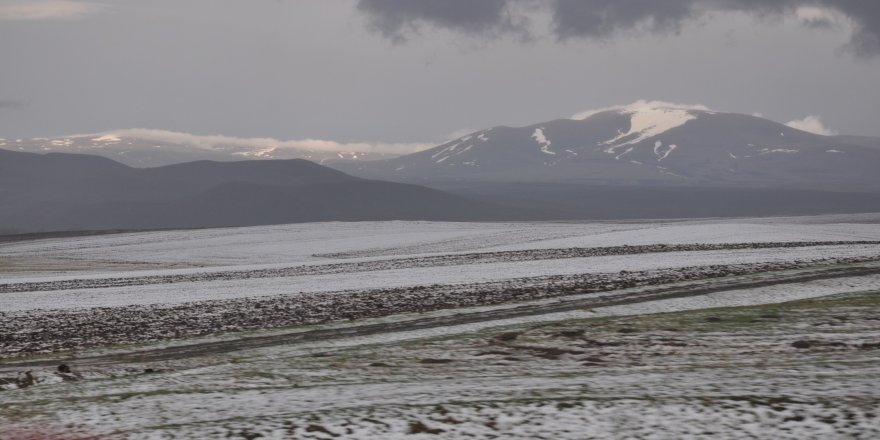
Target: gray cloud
{"type": "Point", "coordinates": [398, 19]}
{"type": "Point", "coordinates": [605, 19]}
{"type": "Point", "coordinates": [12, 104]}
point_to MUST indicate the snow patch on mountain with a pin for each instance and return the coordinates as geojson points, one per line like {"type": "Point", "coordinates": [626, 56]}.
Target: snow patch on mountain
{"type": "Point", "coordinates": [541, 139]}
{"type": "Point", "coordinates": [452, 150]}
{"type": "Point", "coordinates": [778, 150]}
{"type": "Point", "coordinates": [647, 121]}
{"type": "Point", "coordinates": [447, 149]}
{"type": "Point", "coordinates": [264, 152]}
{"type": "Point", "coordinates": [61, 142]}
{"type": "Point", "coordinates": [661, 152]}
{"type": "Point", "coordinates": [625, 152]}
{"type": "Point", "coordinates": [108, 138]}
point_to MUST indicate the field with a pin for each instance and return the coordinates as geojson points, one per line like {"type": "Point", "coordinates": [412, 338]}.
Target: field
{"type": "Point", "coordinates": [754, 328]}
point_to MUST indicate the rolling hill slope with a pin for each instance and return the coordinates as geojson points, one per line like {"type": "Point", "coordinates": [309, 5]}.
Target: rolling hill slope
{"type": "Point", "coordinates": [57, 192]}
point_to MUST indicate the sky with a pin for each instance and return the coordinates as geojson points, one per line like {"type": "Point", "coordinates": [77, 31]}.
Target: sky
{"type": "Point", "coordinates": [419, 72]}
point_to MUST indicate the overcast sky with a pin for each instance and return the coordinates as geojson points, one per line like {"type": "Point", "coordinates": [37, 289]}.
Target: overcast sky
{"type": "Point", "coordinates": [418, 71]}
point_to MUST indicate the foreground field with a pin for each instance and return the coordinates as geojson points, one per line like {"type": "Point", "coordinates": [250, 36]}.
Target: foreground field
{"type": "Point", "coordinates": [708, 329]}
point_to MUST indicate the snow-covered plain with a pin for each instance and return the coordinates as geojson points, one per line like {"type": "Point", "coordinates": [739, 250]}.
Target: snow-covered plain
{"type": "Point", "coordinates": [256, 248]}
{"type": "Point", "coordinates": [672, 367]}
{"type": "Point", "coordinates": [303, 243]}
{"type": "Point", "coordinates": [397, 278]}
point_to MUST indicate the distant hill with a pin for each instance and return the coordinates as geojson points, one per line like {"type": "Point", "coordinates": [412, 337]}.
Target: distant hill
{"type": "Point", "coordinates": [61, 192]}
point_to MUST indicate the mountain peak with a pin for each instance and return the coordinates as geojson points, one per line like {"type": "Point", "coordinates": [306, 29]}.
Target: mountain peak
{"type": "Point", "coordinates": [644, 109]}
{"type": "Point", "coordinates": [647, 119]}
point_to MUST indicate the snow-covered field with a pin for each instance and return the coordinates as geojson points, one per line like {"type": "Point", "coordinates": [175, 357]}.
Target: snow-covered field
{"type": "Point", "coordinates": [312, 242]}
{"type": "Point", "coordinates": [268, 247]}
{"type": "Point", "coordinates": [520, 330]}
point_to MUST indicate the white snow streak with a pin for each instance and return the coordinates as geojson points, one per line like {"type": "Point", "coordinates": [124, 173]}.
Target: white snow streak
{"type": "Point", "coordinates": [541, 139]}
{"type": "Point", "coordinates": [778, 150]}
{"type": "Point", "coordinates": [627, 151]}
{"type": "Point", "coordinates": [663, 153]}
{"type": "Point", "coordinates": [109, 138]}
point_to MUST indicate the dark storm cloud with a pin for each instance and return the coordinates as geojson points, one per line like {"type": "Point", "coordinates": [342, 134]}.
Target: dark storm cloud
{"type": "Point", "coordinates": [394, 19]}
{"type": "Point", "coordinates": [604, 19]}
{"type": "Point", "coordinates": [866, 15]}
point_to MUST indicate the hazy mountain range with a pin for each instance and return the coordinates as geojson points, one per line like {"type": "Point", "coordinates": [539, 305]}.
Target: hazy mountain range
{"type": "Point", "coordinates": [639, 161]}
{"type": "Point", "coordinates": [645, 143]}
{"type": "Point", "coordinates": [154, 148]}
{"type": "Point", "coordinates": [59, 191]}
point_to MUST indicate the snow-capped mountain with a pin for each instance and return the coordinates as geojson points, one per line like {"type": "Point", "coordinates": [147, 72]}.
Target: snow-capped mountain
{"type": "Point", "coordinates": [152, 148]}
{"type": "Point", "coordinates": [646, 143]}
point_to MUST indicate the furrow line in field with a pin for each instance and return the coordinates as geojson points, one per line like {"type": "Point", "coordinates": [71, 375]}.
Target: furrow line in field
{"type": "Point", "coordinates": [404, 263]}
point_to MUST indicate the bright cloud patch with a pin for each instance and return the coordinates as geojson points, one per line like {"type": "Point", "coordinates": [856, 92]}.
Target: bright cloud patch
{"type": "Point", "coordinates": [811, 124]}
{"type": "Point", "coordinates": [816, 16]}
{"type": "Point", "coordinates": [46, 10]}
{"type": "Point", "coordinates": [215, 141]}
{"type": "Point", "coordinates": [460, 133]}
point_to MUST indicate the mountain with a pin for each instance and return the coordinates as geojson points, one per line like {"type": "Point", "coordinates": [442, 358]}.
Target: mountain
{"type": "Point", "coordinates": [62, 192]}
{"type": "Point", "coordinates": [646, 160]}
{"type": "Point", "coordinates": [649, 160]}
{"type": "Point", "coordinates": [154, 148]}
{"type": "Point", "coordinates": [645, 145]}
